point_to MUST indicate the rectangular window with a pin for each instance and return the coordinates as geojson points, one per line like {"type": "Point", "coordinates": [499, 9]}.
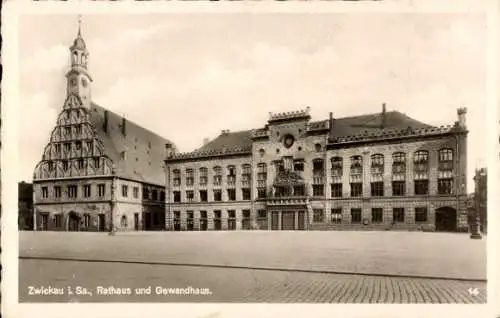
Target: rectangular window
{"type": "Point", "coordinates": [337, 190]}
{"type": "Point", "coordinates": [318, 190]}
{"type": "Point", "coordinates": [65, 165]}
{"type": "Point", "coordinates": [377, 215]}
{"type": "Point", "coordinates": [231, 194]}
{"type": "Point", "coordinates": [86, 190]}
{"type": "Point", "coordinates": [177, 196]}
{"type": "Point", "coordinates": [136, 192]}
{"type": "Point", "coordinates": [217, 195]}
{"type": "Point", "coordinates": [217, 214]}
{"type": "Point", "coordinates": [445, 186]}
{"type": "Point", "coordinates": [261, 193]}
{"type": "Point", "coordinates": [190, 196]}
{"type": "Point", "coordinates": [245, 194]}
{"type": "Point", "coordinates": [398, 215]}
{"type": "Point", "coordinates": [355, 215]}
{"type": "Point", "coordinates": [421, 214]}
{"type": "Point", "coordinates": [124, 190]}
{"type": "Point", "coordinates": [203, 196]}
{"type": "Point", "coordinates": [80, 164]}
{"type": "Point", "coordinates": [298, 165]}
{"type": "Point", "coordinates": [377, 189]}
{"type": "Point", "coordinates": [318, 215]}
{"type": "Point", "coordinates": [72, 191]}
{"type": "Point", "coordinates": [356, 189]}
{"type": "Point", "coordinates": [58, 220]}
{"type": "Point", "coordinates": [86, 220]}
{"type": "Point", "coordinates": [337, 215]}
{"type": "Point", "coordinates": [145, 194]}
{"type": "Point", "coordinates": [299, 191]}
{"type": "Point", "coordinates": [58, 148]}
{"type": "Point", "coordinates": [78, 145]}
{"type": "Point", "coordinates": [261, 214]}
{"type": "Point", "coordinates": [421, 187]}
{"type": "Point", "coordinates": [97, 162]}
{"type": "Point", "coordinates": [154, 195]}
{"type": "Point", "coordinates": [398, 188]}
{"type": "Point", "coordinates": [57, 191]}
{"type": "Point", "coordinates": [101, 189]}
{"type": "Point", "coordinates": [203, 214]}
{"type": "Point", "coordinates": [189, 177]}
{"type": "Point", "coordinates": [162, 195]}
{"type": "Point", "coordinates": [45, 192]}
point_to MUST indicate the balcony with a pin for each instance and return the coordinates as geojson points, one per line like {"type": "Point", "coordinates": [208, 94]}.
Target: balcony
{"type": "Point", "coordinates": [287, 201]}
{"type": "Point", "coordinates": [318, 180]}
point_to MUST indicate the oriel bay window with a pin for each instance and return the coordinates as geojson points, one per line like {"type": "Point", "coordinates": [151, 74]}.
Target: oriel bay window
{"type": "Point", "coordinates": [176, 175]}
{"type": "Point", "coordinates": [377, 175]}
{"type": "Point", "coordinates": [203, 176]}
{"type": "Point", "coordinates": [189, 177]}
{"type": "Point", "coordinates": [421, 172]}
{"type": "Point", "coordinates": [217, 176]}
{"type": "Point", "coordinates": [445, 171]}
{"type": "Point", "coordinates": [261, 180]}
{"type": "Point", "coordinates": [356, 176]}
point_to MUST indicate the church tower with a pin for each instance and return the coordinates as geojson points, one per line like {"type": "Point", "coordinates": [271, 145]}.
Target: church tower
{"type": "Point", "coordinates": [78, 78]}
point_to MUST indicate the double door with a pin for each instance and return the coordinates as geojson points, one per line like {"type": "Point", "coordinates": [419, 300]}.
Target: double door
{"type": "Point", "coordinates": [288, 220]}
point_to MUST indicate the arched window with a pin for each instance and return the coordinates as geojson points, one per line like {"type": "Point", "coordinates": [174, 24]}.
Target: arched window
{"type": "Point", "coordinates": [421, 172]}
{"type": "Point", "coordinates": [398, 165]}
{"type": "Point", "coordinates": [317, 147]}
{"type": "Point", "coordinates": [337, 166]}
{"type": "Point", "coordinates": [356, 165]}
{"type": "Point", "coordinates": [123, 221]}
{"type": "Point", "coordinates": [377, 163]}
{"type": "Point", "coordinates": [231, 174]}
{"type": "Point", "coordinates": [246, 175]}
{"type": "Point", "coordinates": [421, 157]}
{"type": "Point", "coordinates": [217, 175]}
{"type": "Point", "coordinates": [189, 177]}
{"type": "Point", "coordinates": [203, 176]}
{"type": "Point", "coordinates": [318, 165]}
{"type": "Point", "coordinates": [176, 174]}
{"type": "Point", "coordinates": [446, 155]}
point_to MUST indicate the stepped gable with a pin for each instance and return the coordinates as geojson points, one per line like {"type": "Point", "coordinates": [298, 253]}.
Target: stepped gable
{"type": "Point", "coordinates": [144, 150]}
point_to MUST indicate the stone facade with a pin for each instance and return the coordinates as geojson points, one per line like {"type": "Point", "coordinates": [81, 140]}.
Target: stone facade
{"type": "Point", "coordinates": [306, 155]}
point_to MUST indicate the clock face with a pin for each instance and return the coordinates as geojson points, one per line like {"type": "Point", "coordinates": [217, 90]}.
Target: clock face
{"type": "Point", "coordinates": [288, 141]}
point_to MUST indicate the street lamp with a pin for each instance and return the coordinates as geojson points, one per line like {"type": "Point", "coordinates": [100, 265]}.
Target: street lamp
{"type": "Point", "coordinates": [475, 228]}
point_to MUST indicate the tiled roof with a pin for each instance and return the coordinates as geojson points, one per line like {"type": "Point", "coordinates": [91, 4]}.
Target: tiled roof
{"type": "Point", "coordinates": [343, 127]}
{"type": "Point", "coordinates": [144, 151]}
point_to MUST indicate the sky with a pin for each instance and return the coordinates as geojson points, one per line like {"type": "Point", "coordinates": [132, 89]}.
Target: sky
{"type": "Point", "coordinates": [188, 76]}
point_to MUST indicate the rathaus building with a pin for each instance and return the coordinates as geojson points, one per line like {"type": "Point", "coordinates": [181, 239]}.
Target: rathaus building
{"type": "Point", "coordinates": [99, 171]}
{"type": "Point", "coordinates": [376, 171]}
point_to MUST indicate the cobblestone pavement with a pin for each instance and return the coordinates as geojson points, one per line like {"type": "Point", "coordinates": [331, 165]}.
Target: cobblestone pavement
{"type": "Point", "coordinates": [235, 285]}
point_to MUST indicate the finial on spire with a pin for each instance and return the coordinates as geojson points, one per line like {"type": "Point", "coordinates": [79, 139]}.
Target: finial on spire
{"type": "Point", "coordinates": [79, 24]}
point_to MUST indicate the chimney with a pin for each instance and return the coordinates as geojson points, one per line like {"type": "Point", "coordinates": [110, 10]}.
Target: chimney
{"type": "Point", "coordinates": [331, 122]}
{"type": "Point", "coordinates": [384, 117]}
{"type": "Point", "coordinates": [168, 150]}
{"type": "Point", "coordinates": [461, 112]}
{"type": "Point", "coordinates": [225, 131]}
{"type": "Point", "coordinates": [106, 120]}
{"type": "Point", "coordinates": [124, 127]}
{"type": "Point", "coordinates": [205, 141]}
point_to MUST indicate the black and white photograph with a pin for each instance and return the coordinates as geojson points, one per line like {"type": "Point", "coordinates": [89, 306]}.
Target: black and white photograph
{"type": "Point", "coordinates": [265, 157]}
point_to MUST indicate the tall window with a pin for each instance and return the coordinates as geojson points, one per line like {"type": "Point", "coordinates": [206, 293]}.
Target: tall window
{"type": "Point", "coordinates": [421, 172]}
{"type": "Point", "coordinates": [356, 176]}
{"type": "Point", "coordinates": [72, 191]}
{"type": "Point", "coordinates": [189, 177]}
{"type": "Point", "coordinates": [377, 175]}
{"type": "Point", "coordinates": [231, 194]}
{"type": "Point", "coordinates": [298, 165]}
{"type": "Point", "coordinates": [421, 214]}
{"type": "Point", "coordinates": [318, 175]}
{"type": "Point", "coordinates": [398, 215]}
{"type": "Point", "coordinates": [86, 190]}
{"type": "Point", "coordinates": [177, 196]}
{"type": "Point", "coordinates": [145, 193]}
{"type": "Point", "coordinates": [101, 189]}
{"type": "Point", "coordinates": [245, 193]}
{"type": "Point", "coordinates": [190, 196]}
{"type": "Point", "coordinates": [176, 174]}
{"type": "Point", "coordinates": [231, 220]}
{"type": "Point", "coordinates": [231, 176]}
{"type": "Point", "coordinates": [279, 165]}
{"type": "Point", "coordinates": [58, 220]}
{"type": "Point", "coordinates": [57, 191]}
{"type": "Point", "coordinates": [65, 165]}
{"type": "Point", "coordinates": [246, 175]}
{"type": "Point", "coordinates": [398, 174]}
{"type": "Point", "coordinates": [86, 220]}
{"type": "Point", "coordinates": [318, 215]}
{"type": "Point", "coordinates": [97, 162]}
{"type": "Point", "coordinates": [136, 192]}
{"type": "Point", "coordinates": [123, 221]}
{"type": "Point", "coordinates": [355, 215]}
{"type": "Point", "coordinates": [337, 215]}
{"type": "Point", "coordinates": [203, 176]}
{"type": "Point", "coordinates": [217, 195]}
{"type": "Point", "coordinates": [377, 215]}
{"type": "Point", "coordinates": [261, 180]}
{"type": "Point", "coordinates": [217, 176]}
{"type": "Point", "coordinates": [445, 171]}
{"type": "Point", "coordinates": [154, 195]}
{"type": "Point", "coordinates": [377, 189]}
{"type": "Point", "coordinates": [45, 192]}
{"type": "Point", "coordinates": [124, 190]}
{"type": "Point", "coordinates": [203, 196]}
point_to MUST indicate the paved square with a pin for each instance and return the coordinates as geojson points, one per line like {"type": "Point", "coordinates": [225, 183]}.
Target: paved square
{"type": "Point", "coordinates": [258, 266]}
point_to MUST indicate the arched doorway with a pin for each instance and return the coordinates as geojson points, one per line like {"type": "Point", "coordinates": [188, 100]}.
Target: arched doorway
{"type": "Point", "coordinates": [73, 222]}
{"type": "Point", "coordinates": [446, 219]}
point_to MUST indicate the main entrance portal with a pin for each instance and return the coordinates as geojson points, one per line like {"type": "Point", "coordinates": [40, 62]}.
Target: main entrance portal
{"type": "Point", "coordinates": [288, 220]}
{"type": "Point", "coordinates": [446, 220]}
{"type": "Point", "coordinates": [73, 222]}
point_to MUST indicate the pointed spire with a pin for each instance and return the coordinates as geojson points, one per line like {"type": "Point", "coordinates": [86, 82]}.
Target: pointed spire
{"type": "Point", "coordinates": [79, 25]}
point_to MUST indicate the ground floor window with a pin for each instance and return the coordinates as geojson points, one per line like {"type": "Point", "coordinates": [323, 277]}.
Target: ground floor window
{"type": "Point", "coordinates": [203, 221]}
{"type": "Point", "coordinates": [217, 220]}
{"type": "Point", "coordinates": [177, 220]}
{"type": "Point", "coordinates": [58, 221]}
{"type": "Point", "coordinates": [86, 220]}
{"type": "Point", "coordinates": [318, 215]}
{"type": "Point", "coordinates": [44, 221]}
{"type": "Point", "coordinates": [421, 214]}
{"type": "Point", "coordinates": [190, 220]}
{"type": "Point", "coordinates": [245, 223]}
{"type": "Point", "coordinates": [337, 215]}
{"type": "Point", "coordinates": [262, 219]}
{"type": "Point", "coordinates": [355, 215]}
{"type": "Point", "coordinates": [377, 215]}
{"type": "Point", "coordinates": [398, 215]}
{"type": "Point", "coordinates": [231, 221]}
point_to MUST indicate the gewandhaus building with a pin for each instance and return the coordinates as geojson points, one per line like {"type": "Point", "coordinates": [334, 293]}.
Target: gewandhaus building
{"type": "Point", "coordinates": [377, 171]}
